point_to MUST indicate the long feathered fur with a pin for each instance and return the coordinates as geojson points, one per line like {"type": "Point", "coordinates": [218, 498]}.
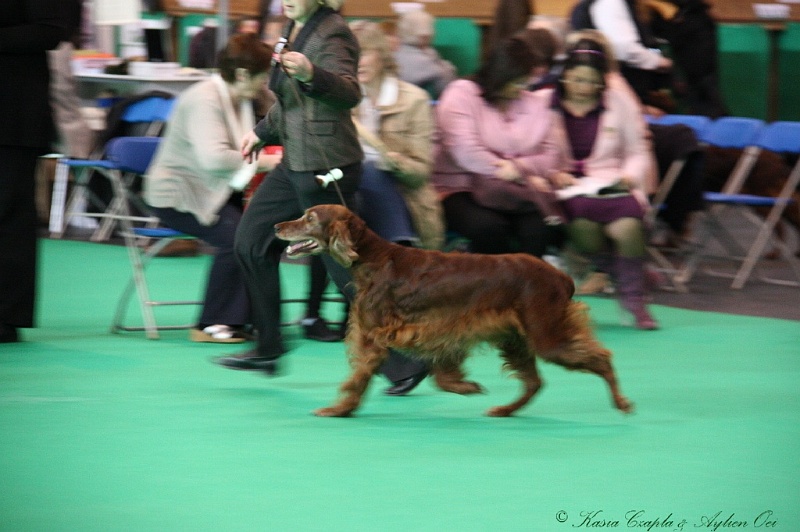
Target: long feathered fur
{"type": "Point", "coordinates": [439, 306]}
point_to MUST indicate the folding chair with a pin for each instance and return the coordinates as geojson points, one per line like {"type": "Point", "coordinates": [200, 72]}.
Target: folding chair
{"type": "Point", "coordinates": [698, 124]}
{"type": "Point", "coordinates": [139, 256]}
{"type": "Point", "coordinates": [147, 115]}
{"type": "Point", "coordinates": [133, 155]}
{"type": "Point", "coordinates": [780, 137]}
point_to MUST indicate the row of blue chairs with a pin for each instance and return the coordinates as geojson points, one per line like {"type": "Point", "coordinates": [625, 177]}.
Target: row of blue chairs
{"type": "Point", "coordinates": [751, 136]}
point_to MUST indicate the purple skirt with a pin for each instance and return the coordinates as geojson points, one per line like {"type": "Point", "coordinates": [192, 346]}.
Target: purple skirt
{"type": "Point", "coordinates": [603, 210]}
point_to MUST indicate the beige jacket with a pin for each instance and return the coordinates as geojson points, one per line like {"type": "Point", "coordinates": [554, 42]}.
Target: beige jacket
{"type": "Point", "coordinates": [198, 156]}
{"type": "Point", "coordinates": [406, 127]}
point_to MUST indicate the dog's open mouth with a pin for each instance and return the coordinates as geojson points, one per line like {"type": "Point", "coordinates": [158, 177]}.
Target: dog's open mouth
{"type": "Point", "coordinates": [303, 247]}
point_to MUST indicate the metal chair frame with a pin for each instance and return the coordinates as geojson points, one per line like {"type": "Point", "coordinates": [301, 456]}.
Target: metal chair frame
{"type": "Point", "coordinates": [781, 137]}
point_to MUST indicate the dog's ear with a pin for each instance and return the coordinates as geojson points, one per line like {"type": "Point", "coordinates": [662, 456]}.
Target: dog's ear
{"type": "Point", "coordinates": [340, 243]}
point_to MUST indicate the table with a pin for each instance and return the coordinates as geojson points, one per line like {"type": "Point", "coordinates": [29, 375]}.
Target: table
{"type": "Point", "coordinates": [91, 84]}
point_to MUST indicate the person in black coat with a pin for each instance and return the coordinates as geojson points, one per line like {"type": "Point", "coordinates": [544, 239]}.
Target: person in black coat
{"type": "Point", "coordinates": [28, 28]}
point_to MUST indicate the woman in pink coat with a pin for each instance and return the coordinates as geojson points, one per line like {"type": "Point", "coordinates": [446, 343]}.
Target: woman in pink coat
{"type": "Point", "coordinates": [491, 128]}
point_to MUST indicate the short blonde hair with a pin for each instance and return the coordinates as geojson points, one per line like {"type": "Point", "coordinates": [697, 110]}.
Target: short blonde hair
{"type": "Point", "coordinates": [371, 36]}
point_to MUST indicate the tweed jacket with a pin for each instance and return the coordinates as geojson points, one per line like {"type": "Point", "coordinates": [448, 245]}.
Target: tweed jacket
{"type": "Point", "coordinates": [198, 156]}
{"type": "Point", "coordinates": [620, 149]}
{"type": "Point", "coordinates": [406, 127]}
{"type": "Point", "coordinates": [316, 130]}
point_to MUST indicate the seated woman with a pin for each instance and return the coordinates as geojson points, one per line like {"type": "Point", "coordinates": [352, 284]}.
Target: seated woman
{"type": "Point", "coordinates": [395, 126]}
{"type": "Point", "coordinates": [670, 142]}
{"type": "Point", "coordinates": [198, 167]}
{"type": "Point", "coordinates": [418, 61]}
{"type": "Point", "coordinates": [491, 132]}
{"type": "Point", "coordinates": [601, 173]}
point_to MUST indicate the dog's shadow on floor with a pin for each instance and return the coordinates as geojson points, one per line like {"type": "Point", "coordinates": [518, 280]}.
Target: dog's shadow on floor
{"type": "Point", "coordinates": [459, 422]}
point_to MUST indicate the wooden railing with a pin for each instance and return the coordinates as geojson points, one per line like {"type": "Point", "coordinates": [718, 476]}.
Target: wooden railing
{"type": "Point", "coordinates": [482, 11]}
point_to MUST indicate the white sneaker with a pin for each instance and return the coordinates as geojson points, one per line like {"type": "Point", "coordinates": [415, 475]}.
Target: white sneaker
{"type": "Point", "coordinates": [220, 334]}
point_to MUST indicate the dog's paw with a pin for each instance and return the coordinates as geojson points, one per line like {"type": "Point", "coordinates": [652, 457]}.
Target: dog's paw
{"type": "Point", "coordinates": [470, 387]}
{"type": "Point", "coordinates": [624, 405]}
{"type": "Point", "coordinates": [332, 411]}
{"type": "Point", "coordinates": [500, 411]}
{"type": "Point", "coordinates": [461, 387]}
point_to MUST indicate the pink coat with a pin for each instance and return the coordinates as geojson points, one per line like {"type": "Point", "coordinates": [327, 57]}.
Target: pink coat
{"type": "Point", "coordinates": [472, 135]}
{"type": "Point", "coordinates": [621, 148]}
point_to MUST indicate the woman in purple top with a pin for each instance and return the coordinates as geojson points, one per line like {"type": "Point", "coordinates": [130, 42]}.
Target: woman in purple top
{"type": "Point", "coordinates": [602, 169]}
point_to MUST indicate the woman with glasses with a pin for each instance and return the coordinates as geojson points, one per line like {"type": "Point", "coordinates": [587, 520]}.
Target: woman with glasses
{"type": "Point", "coordinates": [601, 175]}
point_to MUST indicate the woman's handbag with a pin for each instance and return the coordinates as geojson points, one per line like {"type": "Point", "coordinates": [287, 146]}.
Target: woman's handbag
{"type": "Point", "coordinates": [517, 198]}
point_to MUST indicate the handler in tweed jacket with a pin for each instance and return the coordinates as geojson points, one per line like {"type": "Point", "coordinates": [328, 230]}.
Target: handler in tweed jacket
{"type": "Point", "coordinates": [316, 87]}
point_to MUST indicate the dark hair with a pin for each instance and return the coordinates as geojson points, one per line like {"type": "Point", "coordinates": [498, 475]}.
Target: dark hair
{"type": "Point", "coordinates": [509, 60]}
{"type": "Point", "coordinates": [510, 16]}
{"type": "Point", "coordinates": [541, 43]}
{"type": "Point", "coordinates": [246, 51]}
{"type": "Point", "coordinates": [588, 53]}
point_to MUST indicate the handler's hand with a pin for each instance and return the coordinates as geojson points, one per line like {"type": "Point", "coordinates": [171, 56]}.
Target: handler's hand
{"type": "Point", "coordinates": [251, 145]}
{"type": "Point", "coordinates": [297, 66]}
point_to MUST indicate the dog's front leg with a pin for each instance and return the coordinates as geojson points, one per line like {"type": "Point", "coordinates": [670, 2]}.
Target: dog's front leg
{"type": "Point", "coordinates": [450, 377]}
{"type": "Point", "coordinates": [366, 360]}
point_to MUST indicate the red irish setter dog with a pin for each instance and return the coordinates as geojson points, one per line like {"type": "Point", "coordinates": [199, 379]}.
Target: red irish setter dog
{"type": "Point", "coordinates": [437, 306]}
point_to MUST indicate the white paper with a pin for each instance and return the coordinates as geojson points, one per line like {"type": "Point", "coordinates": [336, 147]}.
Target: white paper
{"type": "Point", "coordinates": [586, 186]}
{"type": "Point", "coordinates": [116, 12]}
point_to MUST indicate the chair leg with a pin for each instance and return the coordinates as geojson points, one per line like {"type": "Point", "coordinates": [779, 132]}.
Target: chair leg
{"type": "Point", "coordinates": [764, 235]}
{"type": "Point", "coordinates": [58, 201]}
{"type": "Point", "coordinates": [138, 280]}
{"type": "Point", "coordinates": [139, 261]}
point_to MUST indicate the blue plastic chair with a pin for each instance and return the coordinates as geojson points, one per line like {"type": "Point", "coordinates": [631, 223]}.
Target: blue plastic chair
{"type": "Point", "coordinates": [148, 116]}
{"type": "Point", "coordinates": [133, 155]}
{"type": "Point", "coordinates": [779, 137]}
{"type": "Point", "coordinates": [698, 123]}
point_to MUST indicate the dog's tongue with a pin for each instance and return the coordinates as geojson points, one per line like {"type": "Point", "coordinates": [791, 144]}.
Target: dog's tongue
{"type": "Point", "coordinates": [304, 246]}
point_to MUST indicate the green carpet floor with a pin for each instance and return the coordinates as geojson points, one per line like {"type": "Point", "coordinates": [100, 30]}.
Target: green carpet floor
{"type": "Point", "coordinates": [102, 432]}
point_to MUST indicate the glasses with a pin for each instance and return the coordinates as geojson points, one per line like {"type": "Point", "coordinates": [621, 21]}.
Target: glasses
{"type": "Point", "coordinates": [581, 81]}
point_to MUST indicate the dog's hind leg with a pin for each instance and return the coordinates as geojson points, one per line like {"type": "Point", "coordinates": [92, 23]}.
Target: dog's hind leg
{"type": "Point", "coordinates": [583, 352]}
{"type": "Point", "coordinates": [449, 376]}
{"type": "Point", "coordinates": [523, 363]}
{"type": "Point", "coordinates": [365, 361]}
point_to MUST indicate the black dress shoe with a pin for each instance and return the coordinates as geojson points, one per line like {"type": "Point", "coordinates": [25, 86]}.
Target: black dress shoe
{"type": "Point", "coordinates": [8, 334]}
{"type": "Point", "coordinates": [404, 386]}
{"type": "Point", "coordinates": [250, 361]}
{"type": "Point", "coordinates": [318, 330]}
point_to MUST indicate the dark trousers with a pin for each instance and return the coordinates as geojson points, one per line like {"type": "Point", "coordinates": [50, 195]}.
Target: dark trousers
{"type": "Point", "coordinates": [493, 232]}
{"type": "Point", "coordinates": [284, 195]}
{"type": "Point", "coordinates": [226, 300]}
{"type": "Point", "coordinates": [18, 226]}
